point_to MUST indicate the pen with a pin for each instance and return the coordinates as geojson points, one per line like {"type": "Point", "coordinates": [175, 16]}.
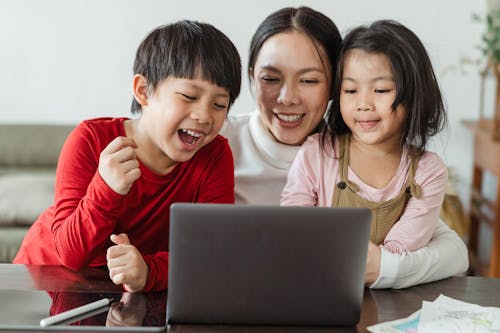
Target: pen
{"type": "Point", "coordinates": [74, 312]}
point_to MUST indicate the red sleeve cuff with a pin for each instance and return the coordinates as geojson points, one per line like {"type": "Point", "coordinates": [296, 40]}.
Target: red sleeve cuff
{"type": "Point", "coordinates": [158, 272]}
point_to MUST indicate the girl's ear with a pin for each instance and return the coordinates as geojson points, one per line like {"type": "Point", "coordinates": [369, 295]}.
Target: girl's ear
{"type": "Point", "coordinates": [140, 89]}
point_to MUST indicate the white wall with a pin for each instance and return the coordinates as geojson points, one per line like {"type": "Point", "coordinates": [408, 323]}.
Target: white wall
{"type": "Point", "coordinates": [63, 61]}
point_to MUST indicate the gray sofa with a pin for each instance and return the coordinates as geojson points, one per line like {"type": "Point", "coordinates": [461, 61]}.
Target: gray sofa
{"type": "Point", "coordinates": [28, 159]}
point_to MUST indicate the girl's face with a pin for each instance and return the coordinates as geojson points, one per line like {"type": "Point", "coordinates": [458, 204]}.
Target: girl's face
{"type": "Point", "coordinates": [292, 86]}
{"type": "Point", "coordinates": [181, 116]}
{"type": "Point", "coordinates": [367, 93]}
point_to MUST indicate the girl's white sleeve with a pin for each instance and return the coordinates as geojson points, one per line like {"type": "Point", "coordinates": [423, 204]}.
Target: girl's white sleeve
{"type": "Point", "coordinates": [444, 256]}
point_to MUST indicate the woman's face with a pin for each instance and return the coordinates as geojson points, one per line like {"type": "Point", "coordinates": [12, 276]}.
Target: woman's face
{"type": "Point", "coordinates": [292, 78]}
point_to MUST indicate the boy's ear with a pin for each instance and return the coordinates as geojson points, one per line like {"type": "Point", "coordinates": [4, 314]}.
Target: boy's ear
{"type": "Point", "coordinates": [140, 87]}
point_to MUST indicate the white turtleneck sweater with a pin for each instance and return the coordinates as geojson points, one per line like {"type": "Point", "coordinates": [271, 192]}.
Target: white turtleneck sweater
{"type": "Point", "coordinates": [261, 165]}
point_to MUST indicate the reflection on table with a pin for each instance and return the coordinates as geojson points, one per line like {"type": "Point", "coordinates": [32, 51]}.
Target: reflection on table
{"type": "Point", "coordinates": [378, 305]}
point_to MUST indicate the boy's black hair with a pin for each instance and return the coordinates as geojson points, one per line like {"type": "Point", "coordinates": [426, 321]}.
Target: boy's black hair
{"type": "Point", "coordinates": [317, 26]}
{"type": "Point", "coordinates": [186, 49]}
{"type": "Point", "coordinates": [416, 86]}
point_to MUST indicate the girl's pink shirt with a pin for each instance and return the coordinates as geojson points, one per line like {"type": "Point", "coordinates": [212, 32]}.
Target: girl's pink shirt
{"type": "Point", "coordinates": [314, 174]}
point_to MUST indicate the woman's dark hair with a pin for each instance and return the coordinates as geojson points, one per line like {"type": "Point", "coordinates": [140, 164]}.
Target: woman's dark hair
{"type": "Point", "coordinates": [416, 86]}
{"type": "Point", "coordinates": [186, 49]}
{"type": "Point", "coordinates": [315, 25]}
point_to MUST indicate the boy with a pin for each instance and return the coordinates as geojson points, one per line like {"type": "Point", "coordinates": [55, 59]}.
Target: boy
{"type": "Point", "coordinates": [117, 177]}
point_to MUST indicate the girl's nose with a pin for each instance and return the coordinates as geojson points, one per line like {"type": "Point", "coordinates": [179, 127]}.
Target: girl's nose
{"type": "Point", "coordinates": [364, 102]}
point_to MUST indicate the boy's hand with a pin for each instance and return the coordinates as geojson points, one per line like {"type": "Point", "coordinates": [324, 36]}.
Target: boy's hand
{"type": "Point", "coordinates": [118, 164]}
{"type": "Point", "coordinates": [373, 261]}
{"type": "Point", "coordinates": [126, 264]}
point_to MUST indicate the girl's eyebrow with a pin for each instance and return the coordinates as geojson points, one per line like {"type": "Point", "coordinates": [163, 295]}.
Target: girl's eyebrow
{"type": "Point", "coordinates": [375, 79]}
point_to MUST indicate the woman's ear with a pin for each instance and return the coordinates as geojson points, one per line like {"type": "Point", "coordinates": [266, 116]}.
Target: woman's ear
{"type": "Point", "coordinates": [140, 89]}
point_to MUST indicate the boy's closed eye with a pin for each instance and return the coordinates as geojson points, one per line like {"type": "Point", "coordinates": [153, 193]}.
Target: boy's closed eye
{"type": "Point", "coordinates": [187, 97]}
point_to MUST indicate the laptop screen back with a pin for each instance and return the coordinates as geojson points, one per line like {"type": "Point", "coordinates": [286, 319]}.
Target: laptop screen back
{"type": "Point", "coordinates": [266, 265]}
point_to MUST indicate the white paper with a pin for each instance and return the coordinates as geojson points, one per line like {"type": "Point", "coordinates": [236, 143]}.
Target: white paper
{"type": "Point", "coordinates": [445, 315]}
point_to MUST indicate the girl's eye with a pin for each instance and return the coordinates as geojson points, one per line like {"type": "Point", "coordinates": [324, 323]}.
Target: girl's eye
{"type": "Point", "coordinates": [220, 106]}
{"type": "Point", "coordinates": [349, 91]}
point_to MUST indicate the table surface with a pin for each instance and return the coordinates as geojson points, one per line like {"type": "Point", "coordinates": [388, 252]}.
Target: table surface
{"type": "Point", "coordinates": [378, 305]}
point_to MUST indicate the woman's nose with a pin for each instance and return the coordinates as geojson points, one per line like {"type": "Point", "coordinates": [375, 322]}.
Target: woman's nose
{"type": "Point", "coordinates": [288, 95]}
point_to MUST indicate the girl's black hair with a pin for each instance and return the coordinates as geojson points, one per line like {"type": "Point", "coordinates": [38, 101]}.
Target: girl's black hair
{"type": "Point", "coordinates": [186, 49]}
{"type": "Point", "coordinates": [416, 86]}
{"type": "Point", "coordinates": [315, 25]}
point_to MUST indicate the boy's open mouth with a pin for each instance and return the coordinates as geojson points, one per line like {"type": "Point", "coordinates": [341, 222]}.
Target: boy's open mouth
{"type": "Point", "coordinates": [189, 137]}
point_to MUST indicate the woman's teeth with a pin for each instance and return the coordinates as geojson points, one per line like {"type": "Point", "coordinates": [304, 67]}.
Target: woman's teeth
{"type": "Point", "coordinates": [290, 117]}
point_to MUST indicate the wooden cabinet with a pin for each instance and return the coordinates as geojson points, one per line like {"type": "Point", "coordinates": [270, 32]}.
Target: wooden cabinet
{"type": "Point", "coordinates": [484, 213]}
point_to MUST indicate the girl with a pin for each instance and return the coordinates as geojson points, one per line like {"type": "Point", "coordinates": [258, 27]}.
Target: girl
{"type": "Point", "coordinates": [371, 153]}
{"type": "Point", "coordinates": [117, 177]}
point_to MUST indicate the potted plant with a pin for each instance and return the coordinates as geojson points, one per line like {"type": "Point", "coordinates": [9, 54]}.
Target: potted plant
{"type": "Point", "coordinates": [490, 48]}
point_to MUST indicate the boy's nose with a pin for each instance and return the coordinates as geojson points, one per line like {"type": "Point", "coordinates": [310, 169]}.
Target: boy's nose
{"type": "Point", "coordinates": [202, 114]}
{"type": "Point", "coordinates": [288, 95]}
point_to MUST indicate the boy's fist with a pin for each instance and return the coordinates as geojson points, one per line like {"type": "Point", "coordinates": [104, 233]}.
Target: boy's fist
{"type": "Point", "coordinates": [118, 164]}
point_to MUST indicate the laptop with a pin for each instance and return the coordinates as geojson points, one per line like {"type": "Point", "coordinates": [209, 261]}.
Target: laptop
{"type": "Point", "coordinates": [266, 265]}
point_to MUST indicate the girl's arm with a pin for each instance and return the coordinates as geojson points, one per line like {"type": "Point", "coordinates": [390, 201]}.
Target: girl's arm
{"type": "Point", "coordinates": [417, 223]}
{"type": "Point", "coordinates": [444, 256]}
{"type": "Point", "coordinates": [301, 188]}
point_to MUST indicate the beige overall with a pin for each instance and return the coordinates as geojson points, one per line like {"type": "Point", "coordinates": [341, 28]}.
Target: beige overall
{"type": "Point", "coordinates": [384, 214]}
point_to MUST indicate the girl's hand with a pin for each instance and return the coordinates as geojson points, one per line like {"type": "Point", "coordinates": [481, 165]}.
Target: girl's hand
{"type": "Point", "coordinates": [373, 260]}
{"type": "Point", "coordinates": [118, 164]}
{"type": "Point", "coordinates": [126, 264]}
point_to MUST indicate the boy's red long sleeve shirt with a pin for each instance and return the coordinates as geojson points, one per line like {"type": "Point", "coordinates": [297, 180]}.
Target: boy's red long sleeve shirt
{"type": "Point", "coordinates": [75, 231]}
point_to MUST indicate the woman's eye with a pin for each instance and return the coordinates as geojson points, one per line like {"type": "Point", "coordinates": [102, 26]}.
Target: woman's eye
{"type": "Point", "coordinates": [309, 81]}
{"type": "Point", "coordinates": [382, 91]}
{"type": "Point", "coordinates": [269, 79]}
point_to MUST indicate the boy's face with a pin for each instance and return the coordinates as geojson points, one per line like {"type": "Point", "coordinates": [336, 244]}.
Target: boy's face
{"type": "Point", "coordinates": [183, 115]}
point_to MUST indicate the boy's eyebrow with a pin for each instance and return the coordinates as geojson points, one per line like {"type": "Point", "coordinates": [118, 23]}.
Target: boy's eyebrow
{"type": "Point", "coordinates": [195, 86]}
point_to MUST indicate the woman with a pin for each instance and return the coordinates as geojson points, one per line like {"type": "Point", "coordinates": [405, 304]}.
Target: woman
{"type": "Point", "coordinates": [292, 57]}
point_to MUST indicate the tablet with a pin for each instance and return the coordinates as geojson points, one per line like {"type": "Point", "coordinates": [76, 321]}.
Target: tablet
{"type": "Point", "coordinates": [23, 309]}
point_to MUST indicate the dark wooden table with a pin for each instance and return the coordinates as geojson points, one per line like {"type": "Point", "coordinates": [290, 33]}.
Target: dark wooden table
{"type": "Point", "coordinates": [378, 305]}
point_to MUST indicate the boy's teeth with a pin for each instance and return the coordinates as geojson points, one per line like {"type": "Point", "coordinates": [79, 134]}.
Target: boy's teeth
{"type": "Point", "coordinates": [192, 133]}
{"type": "Point", "coordinates": [290, 117]}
